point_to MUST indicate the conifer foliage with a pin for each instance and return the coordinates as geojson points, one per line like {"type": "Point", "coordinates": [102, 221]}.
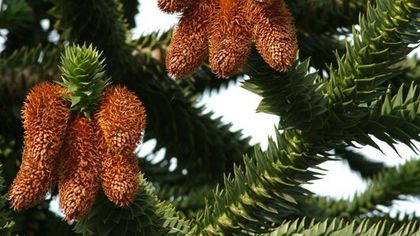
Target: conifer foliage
{"type": "Point", "coordinates": [337, 73]}
{"type": "Point", "coordinates": [63, 144]}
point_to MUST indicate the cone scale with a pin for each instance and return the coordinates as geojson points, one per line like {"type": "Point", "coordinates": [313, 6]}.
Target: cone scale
{"type": "Point", "coordinates": [224, 31]}
{"type": "Point", "coordinates": [80, 133]}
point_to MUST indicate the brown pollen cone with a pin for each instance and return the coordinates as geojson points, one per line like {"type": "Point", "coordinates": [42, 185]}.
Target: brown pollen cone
{"type": "Point", "coordinates": [230, 40]}
{"type": "Point", "coordinates": [79, 170]}
{"type": "Point", "coordinates": [119, 177]}
{"type": "Point", "coordinates": [171, 6]}
{"type": "Point", "coordinates": [273, 33]}
{"type": "Point", "coordinates": [189, 43]}
{"type": "Point", "coordinates": [45, 117]}
{"type": "Point", "coordinates": [120, 120]}
{"type": "Point", "coordinates": [121, 117]}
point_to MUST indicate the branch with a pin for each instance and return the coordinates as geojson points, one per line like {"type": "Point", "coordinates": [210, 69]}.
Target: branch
{"type": "Point", "coordinates": [359, 163]}
{"type": "Point", "coordinates": [6, 225]}
{"type": "Point", "coordinates": [146, 215]}
{"type": "Point", "coordinates": [257, 197]}
{"type": "Point", "coordinates": [382, 41]}
{"type": "Point", "coordinates": [101, 23]}
{"type": "Point", "coordinates": [330, 14]}
{"type": "Point", "coordinates": [15, 15]}
{"type": "Point", "coordinates": [345, 228]}
{"type": "Point", "coordinates": [203, 146]}
{"type": "Point", "coordinates": [384, 188]}
{"type": "Point", "coordinates": [131, 9]}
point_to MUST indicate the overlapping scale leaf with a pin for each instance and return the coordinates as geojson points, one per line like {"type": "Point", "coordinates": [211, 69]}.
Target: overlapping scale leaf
{"type": "Point", "coordinates": [298, 95]}
{"type": "Point", "coordinates": [203, 146]}
{"type": "Point", "coordinates": [83, 75]}
{"type": "Point", "coordinates": [266, 190]}
{"type": "Point", "coordinates": [100, 23]}
{"type": "Point", "coordinates": [396, 117]}
{"type": "Point", "coordinates": [384, 188]}
{"type": "Point", "coordinates": [344, 228]}
{"type": "Point", "coordinates": [145, 216]}
{"type": "Point", "coordinates": [242, 206]}
{"type": "Point", "coordinates": [383, 40]}
{"type": "Point", "coordinates": [184, 130]}
{"type": "Point", "coordinates": [359, 163]}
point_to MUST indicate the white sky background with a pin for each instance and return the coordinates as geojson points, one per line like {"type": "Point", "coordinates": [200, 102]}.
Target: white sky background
{"type": "Point", "coordinates": [237, 105]}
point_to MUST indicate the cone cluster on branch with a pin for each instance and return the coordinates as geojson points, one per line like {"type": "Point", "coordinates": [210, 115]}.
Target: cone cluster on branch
{"type": "Point", "coordinates": [224, 31]}
{"type": "Point", "coordinates": [63, 145]}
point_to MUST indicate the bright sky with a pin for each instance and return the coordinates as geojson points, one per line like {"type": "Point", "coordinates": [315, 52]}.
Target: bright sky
{"type": "Point", "coordinates": [237, 105]}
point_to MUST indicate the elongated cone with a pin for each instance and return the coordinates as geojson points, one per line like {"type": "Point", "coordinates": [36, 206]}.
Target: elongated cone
{"type": "Point", "coordinates": [45, 117]}
{"type": "Point", "coordinates": [119, 177]}
{"type": "Point", "coordinates": [189, 43]}
{"type": "Point", "coordinates": [172, 6]}
{"type": "Point", "coordinates": [79, 170]}
{"type": "Point", "coordinates": [122, 119]}
{"type": "Point", "coordinates": [273, 33]}
{"type": "Point", "coordinates": [230, 40]}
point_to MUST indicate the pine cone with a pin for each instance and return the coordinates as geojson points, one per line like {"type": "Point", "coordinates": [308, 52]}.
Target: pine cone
{"type": "Point", "coordinates": [45, 117]}
{"type": "Point", "coordinates": [79, 170]}
{"type": "Point", "coordinates": [230, 41]}
{"type": "Point", "coordinates": [273, 33]}
{"type": "Point", "coordinates": [225, 30]}
{"type": "Point", "coordinates": [189, 43]}
{"type": "Point", "coordinates": [120, 178]}
{"type": "Point", "coordinates": [121, 119]}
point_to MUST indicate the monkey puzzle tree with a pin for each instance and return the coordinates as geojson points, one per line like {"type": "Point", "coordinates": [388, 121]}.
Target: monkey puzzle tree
{"type": "Point", "coordinates": [364, 86]}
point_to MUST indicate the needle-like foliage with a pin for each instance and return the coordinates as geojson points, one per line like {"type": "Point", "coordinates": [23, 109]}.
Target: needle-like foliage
{"type": "Point", "coordinates": [354, 83]}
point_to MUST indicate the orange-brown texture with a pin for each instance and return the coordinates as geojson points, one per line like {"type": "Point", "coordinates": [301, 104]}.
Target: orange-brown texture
{"type": "Point", "coordinates": [230, 41]}
{"type": "Point", "coordinates": [119, 176]}
{"type": "Point", "coordinates": [227, 27]}
{"type": "Point", "coordinates": [79, 170]}
{"type": "Point", "coordinates": [189, 43]}
{"type": "Point", "coordinates": [79, 153]}
{"type": "Point", "coordinates": [273, 33]}
{"type": "Point", "coordinates": [45, 117]}
{"type": "Point", "coordinates": [171, 6]}
{"type": "Point", "coordinates": [122, 118]}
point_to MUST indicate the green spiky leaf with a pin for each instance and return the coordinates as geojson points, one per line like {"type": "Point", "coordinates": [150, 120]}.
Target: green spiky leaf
{"type": "Point", "coordinates": [83, 75]}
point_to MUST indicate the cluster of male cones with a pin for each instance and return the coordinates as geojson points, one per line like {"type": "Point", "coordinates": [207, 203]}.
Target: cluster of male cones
{"type": "Point", "coordinates": [78, 153]}
{"type": "Point", "coordinates": [224, 30]}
